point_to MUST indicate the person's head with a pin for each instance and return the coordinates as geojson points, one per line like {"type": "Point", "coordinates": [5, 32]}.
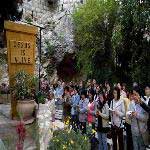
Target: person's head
{"type": "Point", "coordinates": [97, 89]}
{"type": "Point", "coordinates": [135, 97]}
{"type": "Point", "coordinates": [147, 90]}
{"type": "Point", "coordinates": [94, 81]}
{"type": "Point", "coordinates": [59, 83]}
{"type": "Point", "coordinates": [71, 83]}
{"type": "Point", "coordinates": [75, 90]}
{"type": "Point", "coordinates": [135, 84]}
{"type": "Point", "coordinates": [116, 93]}
{"type": "Point", "coordinates": [91, 95]}
{"type": "Point", "coordinates": [83, 94]}
{"type": "Point", "coordinates": [107, 85]}
{"type": "Point", "coordinates": [123, 86]}
{"type": "Point", "coordinates": [66, 90]}
{"type": "Point", "coordinates": [136, 91]}
{"type": "Point", "coordinates": [106, 82]}
{"type": "Point", "coordinates": [119, 85]}
{"type": "Point", "coordinates": [81, 84]}
{"type": "Point", "coordinates": [51, 95]}
{"type": "Point", "coordinates": [89, 82]}
{"type": "Point", "coordinates": [104, 90]}
{"type": "Point", "coordinates": [102, 97]}
{"type": "Point", "coordinates": [63, 84]}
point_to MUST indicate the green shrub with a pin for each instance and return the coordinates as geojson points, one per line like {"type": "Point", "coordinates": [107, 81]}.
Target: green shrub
{"type": "Point", "coordinates": [69, 140]}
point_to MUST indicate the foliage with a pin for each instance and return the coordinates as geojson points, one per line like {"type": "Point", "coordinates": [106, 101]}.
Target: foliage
{"type": "Point", "coordinates": [112, 38]}
{"type": "Point", "coordinates": [133, 46]}
{"type": "Point", "coordinates": [28, 19]}
{"type": "Point", "coordinates": [41, 97]}
{"type": "Point", "coordinates": [2, 62]}
{"type": "Point", "coordinates": [69, 140]}
{"type": "Point", "coordinates": [24, 85]}
{"type": "Point", "coordinates": [49, 59]}
{"type": "Point", "coordinates": [94, 22]}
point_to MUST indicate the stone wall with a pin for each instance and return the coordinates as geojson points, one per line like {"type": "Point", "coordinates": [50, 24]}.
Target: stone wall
{"type": "Point", "coordinates": [57, 21]}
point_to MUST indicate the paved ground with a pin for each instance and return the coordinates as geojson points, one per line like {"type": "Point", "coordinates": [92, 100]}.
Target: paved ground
{"type": "Point", "coordinates": [8, 133]}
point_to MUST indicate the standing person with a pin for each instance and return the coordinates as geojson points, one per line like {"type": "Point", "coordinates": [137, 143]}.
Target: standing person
{"type": "Point", "coordinates": [129, 141]}
{"type": "Point", "coordinates": [122, 92]}
{"type": "Point", "coordinates": [139, 119]}
{"type": "Point", "coordinates": [81, 87]}
{"type": "Point", "coordinates": [82, 109]}
{"type": "Point", "coordinates": [59, 90]}
{"type": "Point", "coordinates": [94, 84]}
{"type": "Point", "coordinates": [91, 110]}
{"type": "Point", "coordinates": [96, 96]}
{"type": "Point", "coordinates": [124, 88]}
{"type": "Point", "coordinates": [108, 93]}
{"type": "Point", "coordinates": [74, 114]}
{"type": "Point", "coordinates": [51, 105]}
{"type": "Point", "coordinates": [103, 122]}
{"type": "Point", "coordinates": [58, 93]}
{"type": "Point", "coordinates": [67, 104]}
{"type": "Point", "coordinates": [144, 102]}
{"type": "Point", "coordinates": [117, 112]}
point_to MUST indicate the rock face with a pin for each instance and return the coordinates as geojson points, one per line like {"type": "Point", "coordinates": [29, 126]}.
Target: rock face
{"type": "Point", "coordinates": [57, 22]}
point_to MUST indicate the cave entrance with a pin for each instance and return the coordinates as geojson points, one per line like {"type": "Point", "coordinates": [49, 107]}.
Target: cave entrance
{"type": "Point", "coordinates": [67, 68]}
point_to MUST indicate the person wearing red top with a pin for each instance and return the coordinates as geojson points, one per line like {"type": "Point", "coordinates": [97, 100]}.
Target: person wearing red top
{"type": "Point", "coordinates": [91, 110]}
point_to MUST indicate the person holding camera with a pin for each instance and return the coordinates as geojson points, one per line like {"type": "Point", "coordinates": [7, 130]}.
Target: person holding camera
{"type": "Point", "coordinates": [138, 117]}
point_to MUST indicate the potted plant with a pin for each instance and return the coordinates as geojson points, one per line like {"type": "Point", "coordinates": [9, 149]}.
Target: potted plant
{"type": "Point", "coordinates": [24, 92]}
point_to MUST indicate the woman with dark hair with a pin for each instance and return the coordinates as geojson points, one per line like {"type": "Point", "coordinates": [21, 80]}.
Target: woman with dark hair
{"type": "Point", "coordinates": [91, 110]}
{"type": "Point", "coordinates": [102, 114]}
{"type": "Point", "coordinates": [67, 104]}
{"type": "Point", "coordinates": [82, 109]}
{"type": "Point", "coordinates": [97, 91]}
{"type": "Point", "coordinates": [74, 103]}
{"type": "Point", "coordinates": [117, 112]}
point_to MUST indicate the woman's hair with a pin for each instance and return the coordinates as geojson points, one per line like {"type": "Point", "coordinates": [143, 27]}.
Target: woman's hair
{"type": "Point", "coordinates": [50, 93]}
{"type": "Point", "coordinates": [92, 93]}
{"type": "Point", "coordinates": [100, 104]}
{"type": "Point", "coordinates": [118, 92]}
{"type": "Point", "coordinates": [146, 85]}
{"type": "Point", "coordinates": [137, 89]}
{"type": "Point", "coordinates": [76, 88]}
{"type": "Point", "coordinates": [84, 92]}
{"type": "Point", "coordinates": [66, 88]}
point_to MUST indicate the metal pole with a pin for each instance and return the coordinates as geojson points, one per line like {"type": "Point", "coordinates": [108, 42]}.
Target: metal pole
{"type": "Point", "coordinates": [40, 47]}
{"type": "Point", "coordinates": [40, 59]}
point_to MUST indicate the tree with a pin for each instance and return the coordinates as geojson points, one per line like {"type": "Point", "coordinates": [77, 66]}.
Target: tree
{"type": "Point", "coordinates": [94, 22]}
{"type": "Point", "coordinates": [133, 49]}
{"type": "Point", "coordinates": [112, 38]}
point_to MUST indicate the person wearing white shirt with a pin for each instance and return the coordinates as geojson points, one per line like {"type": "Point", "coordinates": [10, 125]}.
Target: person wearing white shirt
{"type": "Point", "coordinates": [117, 112]}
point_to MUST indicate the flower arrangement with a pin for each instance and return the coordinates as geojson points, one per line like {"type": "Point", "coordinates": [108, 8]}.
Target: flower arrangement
{"type": "Point", "coordinates": [24, 85]}
{"type": "Point", "coordinates": [21, 131]}
{"type": "Point", "coordinates": [69, 140]}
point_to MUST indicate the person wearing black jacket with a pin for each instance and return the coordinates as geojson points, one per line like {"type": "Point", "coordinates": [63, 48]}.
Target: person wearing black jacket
{"type": "Point", "coordinates": [145, 104]}
{"type": "Point", "coordinates": [103, 122]}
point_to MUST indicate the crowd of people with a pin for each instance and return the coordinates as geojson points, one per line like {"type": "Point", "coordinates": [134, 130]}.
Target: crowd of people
{"type": "Point", "coordinates": [111, 110]}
